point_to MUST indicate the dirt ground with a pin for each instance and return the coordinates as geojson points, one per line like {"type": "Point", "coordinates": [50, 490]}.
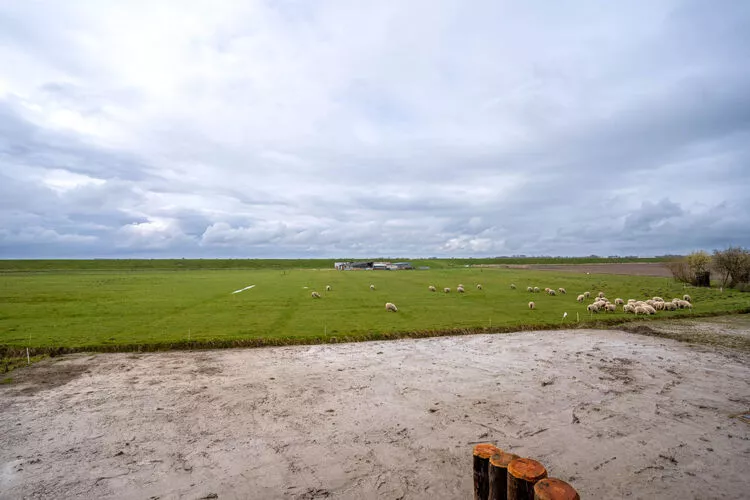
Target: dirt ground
{"type": "Point", "coordinates": [628, 268]}
{"type": "Point", "coordinates": [617, 414]}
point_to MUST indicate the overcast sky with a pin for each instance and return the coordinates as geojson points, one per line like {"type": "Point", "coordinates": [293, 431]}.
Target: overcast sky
{"type": "Point", "coordinates": [346, 128]}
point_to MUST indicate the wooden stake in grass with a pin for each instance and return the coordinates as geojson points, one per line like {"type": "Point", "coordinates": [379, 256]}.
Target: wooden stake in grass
{"type": "Point", "coordinates": [498, 474]}
{"type": "Point", "coordinates": [523, 474]}
{"type": "Point", "coordinates": [482, 454]}
{"type": "Point", "coordinates": [554, 489]}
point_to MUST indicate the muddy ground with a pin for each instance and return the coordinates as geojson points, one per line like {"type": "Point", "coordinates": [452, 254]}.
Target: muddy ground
{"type": "Point", "coordinates": [617, 414]}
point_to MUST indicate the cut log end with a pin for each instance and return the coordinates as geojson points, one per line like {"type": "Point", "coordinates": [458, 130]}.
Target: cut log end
{"type": "Point", "coordinates": [502, 459]}
{"type": "Point", "coordinates": [527, 469]}
{"type": "Point", "coordinates": [486, 450]}
{"type": "Point", "coordinates": [554, 489]}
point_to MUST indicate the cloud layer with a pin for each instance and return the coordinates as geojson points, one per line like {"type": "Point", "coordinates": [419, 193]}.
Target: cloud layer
{"type": "Point", "coordinates": [339, 128]}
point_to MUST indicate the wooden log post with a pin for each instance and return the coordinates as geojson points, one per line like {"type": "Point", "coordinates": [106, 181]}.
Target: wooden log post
{"type": "Point", "coordinates": [554, 489]}
{"type": "Point", "coordinates": [482, 454]}
{"type": "Point", "coordinates": [498, 474]}
{"type": "Point", "coordinates": [523, 473]}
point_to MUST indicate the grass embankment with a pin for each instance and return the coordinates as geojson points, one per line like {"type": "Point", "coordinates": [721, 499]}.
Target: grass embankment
{"type": "Point", "coordinates": [60, 312]}
{"type": "Point", "coordinates": [16, 266]}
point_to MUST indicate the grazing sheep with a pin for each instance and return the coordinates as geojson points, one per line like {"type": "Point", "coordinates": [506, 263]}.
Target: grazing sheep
{"type": "Point", "coordinates": [675, 300]}
{"type": "Point", "coordinates": [657, 299]}
{"type": "Point", "coordinates": [532, 305]}
{"type": "Point", "coordinates": [546, 290]}
{"type": "Point", "coordinates": [479, 286]}
{"type": "Point", "coordinates": [586, 294]}
{"type": "Point", "coordinates": [631, 301]}
{"type": "Point", "coordinates": [536, 289]}
{"type": "Point", "coordinates": [432, 288]}
{"type": "Point", "coordinates": [580, 298]}
{"type": "Point", "coordinates": [372, 287]}
{"type": "Point", "coordinates": [460, 285]}
{"type": "Point", "coordinates": [684, 304]}
{"type": "Point", "coordinates": [659, 306]}
{"type": "Point", "coordinates": [601, 294]}
{"type": "Point", "coordinates": [328, 288]}
{"type": "Point", "coordinates": [551, 292]}
{"type": "Point", "coordinates": [529, 289]}
{"type": "Point", "coordinates": [640, 310]}
{"type": "Point", "coordinates": [390, 306]}
{"type": "Point", "coordinates": [562, 290]}
{"type": "Point", "coordinates": [651, 302]}
{"type": "Point", "coordinates": [687, 297]}
{"type": "Point", "coordinates": [649, 309]}
{"type": "Point", "coordinates": [460, 289]}
{"type": "Point", "coordinates": [610, 308]}
{"type": "Point", "coordinates": [600, 303]}
{"type": "Point", "coordinates": [593, 308]}
{"type": "Point", "coordinates": [315, 295]}
{"type": "Point", "coordinates": [628, 308]}
{"type": "Point", "coordinates": [670, 306]}
{"type": "Point", "coordinates": [619, 301]}
{"type": "Point", "coordinates": [512, 286]}
{"type": "Point", "coordinates": [447, 290]}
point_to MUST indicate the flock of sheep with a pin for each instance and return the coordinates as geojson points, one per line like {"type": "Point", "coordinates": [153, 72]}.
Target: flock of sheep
{"type": "Point", "coordinates": [637, 307]}
{"type": "Point", "coordinates": [601, 303]}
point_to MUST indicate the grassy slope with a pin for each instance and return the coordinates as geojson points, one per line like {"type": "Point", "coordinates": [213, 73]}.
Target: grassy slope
{"type": "Point", "coordinates": [100, 309]}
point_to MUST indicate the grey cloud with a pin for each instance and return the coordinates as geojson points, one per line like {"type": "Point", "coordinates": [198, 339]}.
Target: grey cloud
{"type": "Point", "coordinates": [330, 130]}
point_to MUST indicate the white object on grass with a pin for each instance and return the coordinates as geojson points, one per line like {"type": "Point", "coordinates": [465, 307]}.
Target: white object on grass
{"type": "Point", "coordinates": [243, 289]}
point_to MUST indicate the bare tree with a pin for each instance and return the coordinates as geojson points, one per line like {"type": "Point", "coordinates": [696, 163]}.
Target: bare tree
{"type": "Point", "coordinates": [733, 264]}
{"type": "Point", "coordinates": [694, 269]}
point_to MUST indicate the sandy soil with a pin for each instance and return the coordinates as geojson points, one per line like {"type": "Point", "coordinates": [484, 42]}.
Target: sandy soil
{"type": "Point", "coordinates": [617, 414]}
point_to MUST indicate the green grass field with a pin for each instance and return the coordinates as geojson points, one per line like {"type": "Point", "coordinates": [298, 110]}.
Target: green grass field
{"type": "Point", "coordinates": [120, 310]}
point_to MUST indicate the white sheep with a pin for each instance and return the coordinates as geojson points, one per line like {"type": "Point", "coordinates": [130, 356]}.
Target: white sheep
{"type": "Point", "coordinates": [684, 304]}
{"type": "Point", "coordinates": [372, 287]}
{"type": "Point", "coordinates": [328, 288]}
{"type": "Point", "coordinates": [460, 289]}
{"type": "Point", "coordinates": [551, 292]}
{"type": "Point", "coordinates": [447, 290]}
{"type": "Point", "coordinates": [532, 305]}
{"type": "Point", "coordinates": [315, 295]}
{"type": "Point", "coordinates": [580, 298]}
{"type": "Point", "coordinates": [593, 308]}
{"type": "Point", "coordinates": [657, 299]}
{"type": "Point", "coordinates": [536, 289]}
{"type": "Point", "coordinates": [460, 285]}
{"type": "Point", "coordinates": [529, 289]}
{"type": "Point", "coordinates": [628, 308]}
{"type": "Point", "coordinates": [687, 297]}
{"type": "Point", "coordinates": [601, 294]}
{"type": "Point", "coordinates": [562, 290]}
{"type": "Point", "coordinates": [432, 288]}
{"type": "Point", "coordinates": [479, 286]}
{"type": "Point", "coordinates": [649, 309]}
{"type": "Point", "coordinates": [610, 307]}
{"type": "Point", "coordinates": [586, 294]}
{"type": "Point", "coordinates": [512, 286]}
{"type": "Point", "coordinates": [619, 301]}
{"type": "Point", "coordinates": [640, 310]}
{"type": "Point", "coordinates": [546, 290]}
{"type": "Point", "coordinates": [670, 306]}
{"type": "Point", "coordinates": [390, 306]}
